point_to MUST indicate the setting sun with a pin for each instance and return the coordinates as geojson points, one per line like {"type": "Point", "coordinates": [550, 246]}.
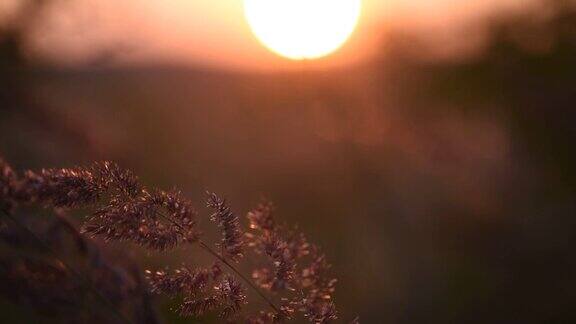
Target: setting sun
{"type": "Point", "coordinates": [302, 29]}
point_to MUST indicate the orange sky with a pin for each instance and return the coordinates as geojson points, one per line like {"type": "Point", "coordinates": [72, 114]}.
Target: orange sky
{"type": "Point", "coordinates": [215, 32]}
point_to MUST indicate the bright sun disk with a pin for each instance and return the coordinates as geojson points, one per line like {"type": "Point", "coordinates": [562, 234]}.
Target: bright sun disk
{"type": "Point", "coordinates": [302, 29]}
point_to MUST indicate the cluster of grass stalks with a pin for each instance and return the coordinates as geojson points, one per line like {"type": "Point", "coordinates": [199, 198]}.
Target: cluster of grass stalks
{"type": "Point", "coordinates": [290, 275]}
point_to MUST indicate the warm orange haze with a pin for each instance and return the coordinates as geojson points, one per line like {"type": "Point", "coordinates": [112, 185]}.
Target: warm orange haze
{"type": "Point", "coordinates": [231, 33]}
{"type": "Point", "coordinates": [302, 29]}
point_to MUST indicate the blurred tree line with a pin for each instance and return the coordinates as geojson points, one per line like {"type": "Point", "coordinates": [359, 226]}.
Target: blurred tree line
{"type": "Point", "coordinates": [518, 267]}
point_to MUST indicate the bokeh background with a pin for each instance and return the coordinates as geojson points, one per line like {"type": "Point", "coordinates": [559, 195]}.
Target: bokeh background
{"type": "Point", "coordinates": [432, 157]}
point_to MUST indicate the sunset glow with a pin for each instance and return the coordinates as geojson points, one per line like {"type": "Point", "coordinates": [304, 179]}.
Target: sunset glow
{"type": "Point", "coordinates": [302, 29]}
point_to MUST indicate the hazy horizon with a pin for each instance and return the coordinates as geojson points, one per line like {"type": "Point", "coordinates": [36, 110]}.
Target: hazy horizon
{"type": "Point", "coordinates": [188, 32]}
